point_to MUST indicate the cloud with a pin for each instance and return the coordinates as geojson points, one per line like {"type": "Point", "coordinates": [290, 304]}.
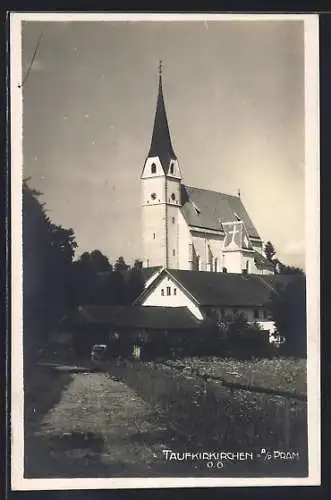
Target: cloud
{"type": "Point", "coordinates": [295, 247]}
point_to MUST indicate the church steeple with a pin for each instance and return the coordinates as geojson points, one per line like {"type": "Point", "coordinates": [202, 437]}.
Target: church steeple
{"type": "Point", "coordinates": [161, 145]}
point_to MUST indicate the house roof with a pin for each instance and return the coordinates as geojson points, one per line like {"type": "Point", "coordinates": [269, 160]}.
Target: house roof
{"type": "Point", "coordinates": [149, 317]}
{"type": "Point", "coordinates": [225, 289]}
{"type": "Point", "coordinates": [161, 145]}
{"type": "Point", "coordinates": [209, 209]}
{"type": "Point", "coordinates": [149, 271]}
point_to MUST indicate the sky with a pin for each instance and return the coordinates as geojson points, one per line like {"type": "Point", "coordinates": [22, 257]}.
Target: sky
{"type": "Point", "coordinates": [234, 94]}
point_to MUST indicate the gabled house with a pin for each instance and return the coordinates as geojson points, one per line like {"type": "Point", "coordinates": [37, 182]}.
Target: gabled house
{"type": "Point", "coordinates": [204, 293]}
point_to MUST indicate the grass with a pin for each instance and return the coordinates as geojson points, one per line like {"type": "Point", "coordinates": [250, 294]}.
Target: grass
{"type": "Point", "coordinates": [42, 390]}
{"type": "Point", "coordinates": [211, 415]}
{"type": "Point", "coordinates": [201, 414]}
{"type": "Point", "coordinates": [282, 374]}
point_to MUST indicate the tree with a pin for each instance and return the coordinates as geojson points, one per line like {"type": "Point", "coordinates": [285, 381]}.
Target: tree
{"type": "Point", "coordinates": [136, 281]}
{"type": "Point", "coordinates": [283, 269]}
{"type": "Point", "coordinates": [48, 250]}
{"type": "Point", "coordinates": [234, 336]}
{"type": "Point", "coordinates": [279, 267]}
{"type": "Point", "coordinates": [269, 251]}
{"type": "Point", "coordinates": [120, 265]}
{"type": "Point", "coordinates": [88, 276]}
{"type": "Point", "coordinates": [287, 306]}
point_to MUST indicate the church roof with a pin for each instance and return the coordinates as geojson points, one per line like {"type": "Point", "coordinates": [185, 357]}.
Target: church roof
{"type": "Point", "coordinates": [209, 209]}
{"type": "Point", "coordinates": [225, 289]}
{"type": "Point", "coordinates": [161, 145]}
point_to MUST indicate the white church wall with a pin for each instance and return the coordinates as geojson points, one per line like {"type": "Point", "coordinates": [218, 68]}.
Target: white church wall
{"type": "Point", "coordinates": [174, 170]}
{"type": "Point", "coordinates": [203, 241]}
{"type": "Point", "coordinates": [232, 261]}
{"type": "Point", "coordinates": [185, 240]}
{"type": "Point", "coordinates": [216, 246]}
{"type": "Point", "coordinates": [200, 249]}
{"type": "Point", "coordinates": [247, 262]}
{"type": "Point", "coordinates": [153, 235]}
{"type": "Point", "coordinates": [174, 238]}
{"type": "Point", "coordinates": [147, 172]}
{"type": "Point", "coordinates": [153, 185]}
{"type": "Point", "coordinates": [171, 296]}
{"type": "Point", "coordinates": [173, 191]}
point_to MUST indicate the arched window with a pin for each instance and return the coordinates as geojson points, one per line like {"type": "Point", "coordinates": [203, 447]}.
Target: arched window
{"type": "Point", "coordinates": [153, 168]}
{"type": "Point", "coordinates": [173, 196]}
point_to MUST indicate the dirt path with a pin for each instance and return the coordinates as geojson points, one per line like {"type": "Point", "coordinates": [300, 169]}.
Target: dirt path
{"type": "Point", "coordinates": [100, 427]}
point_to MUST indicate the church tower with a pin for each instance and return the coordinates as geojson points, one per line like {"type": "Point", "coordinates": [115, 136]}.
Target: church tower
{"type": "Point", "coordinates": [161, 194]}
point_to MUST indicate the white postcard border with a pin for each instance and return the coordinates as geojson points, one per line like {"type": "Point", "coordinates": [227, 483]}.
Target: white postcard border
{"type": "Point", "coordinates": [18, 482]}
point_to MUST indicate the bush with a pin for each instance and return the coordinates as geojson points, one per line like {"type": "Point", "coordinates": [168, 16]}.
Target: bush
{"type": "Point", "coordinates": [236, 337]}
{"type": "Point", "coordinates": [288, 308]}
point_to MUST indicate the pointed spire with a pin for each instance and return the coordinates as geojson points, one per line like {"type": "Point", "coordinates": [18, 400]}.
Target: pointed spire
{"type": "Point", "coordinates": [161, 145]}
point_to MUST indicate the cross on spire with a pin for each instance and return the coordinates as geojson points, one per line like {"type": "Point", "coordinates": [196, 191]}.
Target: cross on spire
{"type": "Point", "coordinates": [161, 145]}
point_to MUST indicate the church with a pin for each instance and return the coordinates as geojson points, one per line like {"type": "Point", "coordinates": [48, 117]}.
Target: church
{"type": "Point", "coordinates": [190, 228]}
{"type": "Point", "coordinates": [202, 256]}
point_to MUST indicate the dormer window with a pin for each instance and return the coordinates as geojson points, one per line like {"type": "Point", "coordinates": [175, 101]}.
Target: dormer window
{"type": "Point", "coordinates": [153, 168]}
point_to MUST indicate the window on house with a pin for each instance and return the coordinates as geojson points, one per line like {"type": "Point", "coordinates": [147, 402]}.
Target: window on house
{"type": "Point", "coordinates": [172, 168]}
{"type": "Point", "coordinates": [168, 290]}
{"type": "Point", "coordinates": [153, 168]}
{"type": "Point", "coordinates": [175, 291]}
{"type": "Point", "coordinates": [173, 196]}
{"type": "Point", "coordinates": [173, 252]}
{"type": "Point", "coordinates": [256, 314]}
{"type": "Point", "coordinates": [153, 236]}
{"type": "Point", "coordinates": [162, 291]}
